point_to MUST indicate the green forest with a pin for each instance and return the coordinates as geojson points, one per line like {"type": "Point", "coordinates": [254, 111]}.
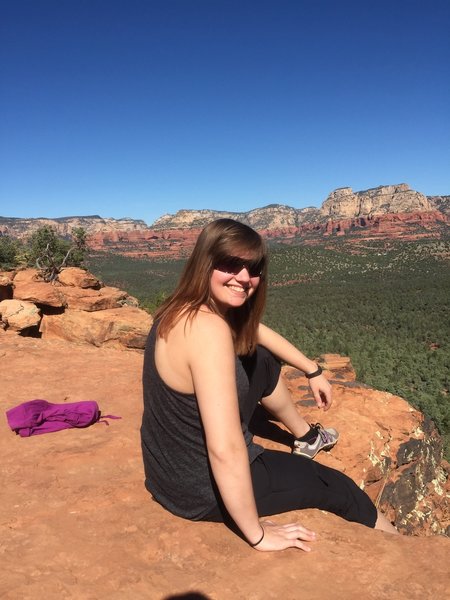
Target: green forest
{"type": "Point", "coordinates": [385, 304]}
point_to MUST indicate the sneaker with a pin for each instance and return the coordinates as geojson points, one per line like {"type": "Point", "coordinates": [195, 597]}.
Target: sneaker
{"type": "Point", "coordinates": [326, 439]}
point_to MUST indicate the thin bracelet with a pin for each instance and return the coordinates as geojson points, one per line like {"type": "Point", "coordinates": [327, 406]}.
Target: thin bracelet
{"type": "Point", "coordinates": [314, 373]}
{"type": "Point", "coordinates": [260, 540]}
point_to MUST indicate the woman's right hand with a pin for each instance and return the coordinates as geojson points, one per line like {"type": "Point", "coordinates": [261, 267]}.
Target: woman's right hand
{"type": "Point", "coordinates": [280, 537]}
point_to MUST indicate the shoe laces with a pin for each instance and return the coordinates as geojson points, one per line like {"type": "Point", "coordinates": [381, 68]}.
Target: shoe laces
{"type": "Point", "coordinates": [325, 436]}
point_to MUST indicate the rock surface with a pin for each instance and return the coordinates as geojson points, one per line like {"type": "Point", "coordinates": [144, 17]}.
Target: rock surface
{"type": "Point", "coordinates": [390, 449]}
{"type": "Point", "coordinates": [276, 219]}
{"type": "Point", "coordinates": [178, 243]}
{"type": "Point", "coordinates": [76, 277]}
{"type": "Point", "coordinates": [344, 203]}
{"type": "Point", "coordinates": [78, 523]}
{"type": "Point", "coordinates": [93, 300]}
{"type": "Point", "coordinates": [6, 285]}
{"type": "Point", "coordinates": [126, 326]}
{"type": "Point", "coordinates": [63, 226]}
{"type": "Point", "coordinates": [384, 212]}
{"type": "Point", "coordinates": [18, 315]}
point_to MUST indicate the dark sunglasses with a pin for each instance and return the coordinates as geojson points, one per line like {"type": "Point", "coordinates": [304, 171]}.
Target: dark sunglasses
{"type": "Point", "coordinates": [234, 265]}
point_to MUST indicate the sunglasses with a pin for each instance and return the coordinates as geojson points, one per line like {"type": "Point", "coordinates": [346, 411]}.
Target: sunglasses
{"type": "Point", "coordinates": [234, 265]}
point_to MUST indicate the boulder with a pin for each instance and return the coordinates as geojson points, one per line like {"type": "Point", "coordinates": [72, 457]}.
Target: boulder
{"type": "Point", "coordinates": [39, 292]}
{"type": "Point", "coordinates": [27, 276]}
{"type": "Point", "coordinates": [340, 365]}
{"type": "Point", "coordinates": [6, 285]}
{"type": "Point", "coordinates": [117, 327]}
{"type": "Point", "coordinates": [76, 277]}
{"type": "Point", "coordinates": [92, 300]}
{"type": "Point", "coordinates": [18, 315]}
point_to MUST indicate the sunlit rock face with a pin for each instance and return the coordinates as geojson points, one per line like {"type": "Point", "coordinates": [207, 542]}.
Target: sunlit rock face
{"type": "Point", "coordinates": [389, 211]}
{"type": "Point", "coordinates": [384, 199]}
{"type": "Point", "coordinates": [76, 307]}
{"type": "Point", "coordinates": [390, 449]}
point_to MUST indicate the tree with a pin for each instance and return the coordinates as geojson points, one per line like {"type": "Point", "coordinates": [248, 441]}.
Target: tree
{"type": "Point", "coordinates": [9, 251]}
{"type": "Point", "coordinates": [50, 253]}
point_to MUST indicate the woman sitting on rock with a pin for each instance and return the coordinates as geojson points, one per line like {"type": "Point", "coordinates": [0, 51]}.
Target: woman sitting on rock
{"type": "Point", "coordinates": [208, 362]}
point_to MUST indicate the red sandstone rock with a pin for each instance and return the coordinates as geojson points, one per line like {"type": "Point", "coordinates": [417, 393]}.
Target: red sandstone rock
{"type": "Point", "coordinates": [78, 522]}
{"type": "Point", "coordinates": [27, 276]}
{"type": "Point", "coordinates": [391, 450]}
{"type": "Point", "coordinates": [116, 327]}
{"type": "Point", "coordinates": [73, 276]}
{"type": "Point", "coordinates": [6, 277]}
{"type": "Point", "coordinates": [39, 292]}
{"type": "Point", "coordinates": [18, 315]}
{"type": "Point", "coordinates": [177, 243]}
{"type": "Point", "coordinates": [6, 285]}
{"type": "Point", "coordinates": [93, 300]}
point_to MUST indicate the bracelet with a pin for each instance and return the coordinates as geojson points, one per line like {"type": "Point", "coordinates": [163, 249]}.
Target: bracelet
{"type": "Point", "coordinates": [314, 373]}
{"type": "Point", "coordinates": [260, 539]}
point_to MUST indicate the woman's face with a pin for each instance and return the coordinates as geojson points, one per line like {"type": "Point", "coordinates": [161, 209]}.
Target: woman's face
{"type": "Point", "coordinates": [233, 289]}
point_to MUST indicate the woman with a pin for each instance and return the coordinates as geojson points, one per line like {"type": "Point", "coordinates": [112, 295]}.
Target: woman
{"type": "Point", "coordinates": [208, 362]}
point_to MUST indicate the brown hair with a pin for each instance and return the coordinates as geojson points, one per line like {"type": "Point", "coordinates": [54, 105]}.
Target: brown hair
{"type": "Point", "coordinates": [219, 239]}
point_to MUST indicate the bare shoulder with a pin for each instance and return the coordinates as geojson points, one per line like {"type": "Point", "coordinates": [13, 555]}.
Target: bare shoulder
{"type": "Point", "coordinates": [208, 334]}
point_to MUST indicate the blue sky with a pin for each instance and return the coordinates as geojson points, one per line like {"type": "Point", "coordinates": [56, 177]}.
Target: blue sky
{"type": "Point", "coordinates": [140, 108]}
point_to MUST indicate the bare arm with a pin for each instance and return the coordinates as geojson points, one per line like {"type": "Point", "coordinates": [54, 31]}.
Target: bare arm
{"type": "Point", "coordinates": [214, 378]}
{"type": "Point", "coordinates": [288, 353]}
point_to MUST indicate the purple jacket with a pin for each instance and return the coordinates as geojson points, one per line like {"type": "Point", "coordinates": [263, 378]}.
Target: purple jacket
{"type": "Point", "coordinates": [39, 416]}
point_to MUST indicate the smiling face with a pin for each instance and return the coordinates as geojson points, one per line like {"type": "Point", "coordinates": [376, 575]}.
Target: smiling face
{"type": "Point", "coordinates": [232, 290]}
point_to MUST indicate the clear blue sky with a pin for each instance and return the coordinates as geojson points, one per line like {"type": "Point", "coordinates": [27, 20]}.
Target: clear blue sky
{"type": "Point", "coordinates": [139, 108]}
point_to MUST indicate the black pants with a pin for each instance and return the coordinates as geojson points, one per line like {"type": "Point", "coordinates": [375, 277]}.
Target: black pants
{"type": "Point", "coordinates": [283, 482]}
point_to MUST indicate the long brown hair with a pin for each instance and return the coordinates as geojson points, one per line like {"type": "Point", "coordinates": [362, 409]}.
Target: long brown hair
{"type": "Point", "coordinates": [219, 239]}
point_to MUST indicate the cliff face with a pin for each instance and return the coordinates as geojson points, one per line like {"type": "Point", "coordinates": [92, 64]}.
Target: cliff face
{"type": "Point", "coordinates": [441, 203]}
{"type": "Point", "coordinates": [344, 203]}
{"type": "Point", "coordinates": [21, 228]}
{"type": "Point", "coordinates": [273, 216]}
{"type": "Point", "coordinates": [391, 450]}
{"type": "Point", "coordinates": [384, 212]}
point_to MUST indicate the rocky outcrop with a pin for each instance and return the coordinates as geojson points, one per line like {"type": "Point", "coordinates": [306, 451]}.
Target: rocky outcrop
{"type": "Point", "coordinates": [18, 315]}
{"type": "Point", "coordinates": [391, 450]}
{"type": "Point", "coordinates": [77, 307]}
{"type": "Point", "coordinates": [441, 203]}
{"type": "Point", "coordinates": [20, 228]}
{"type": "Point", "coordinates": [344, 203]}
{"type": "Point", "coordinates": [114, 327]}
{"type": "Point", "coordinates": [78, 522]}
{"type": "Point", "coordinates": [177, 243]}
{"type": "Point", "coordinates": [150, 242]}
{"type": "Point", "coordinates": [406, 226]}
{"type": "Point", "coordinates": [6, 285]}
{"type": "Point", "coordinates": [273, 216]}
{"type": "Point", "coordinates": [385, 212]}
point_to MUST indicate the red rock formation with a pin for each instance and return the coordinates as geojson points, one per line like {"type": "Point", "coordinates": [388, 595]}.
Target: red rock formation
{"type": "Point", "coordinates": [92, 314]}
{"type": "Point", "coordinates": [6, 285]}
{"type": "Point", "coordinates": [78, 522]}
{"type": "Point", "coordinates": [18, 315]}
{"type": "Point", "coordinates": [176, 243]}
{"type": "Point", "coordinates": [398, 461]}
{"type": "Point", "coordinates": [114, 327]}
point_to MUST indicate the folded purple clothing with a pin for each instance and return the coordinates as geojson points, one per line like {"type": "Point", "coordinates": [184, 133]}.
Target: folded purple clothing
{"type": "Point", "coordinates": [39, 416]}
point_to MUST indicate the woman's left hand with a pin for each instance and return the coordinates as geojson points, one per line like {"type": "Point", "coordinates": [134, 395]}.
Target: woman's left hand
{"type": "Point", "coordinates": [321, 389]}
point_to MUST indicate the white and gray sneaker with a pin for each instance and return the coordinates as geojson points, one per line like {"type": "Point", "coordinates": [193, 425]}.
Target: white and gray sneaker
{"type": "Point", "coordinates": [326, 439]}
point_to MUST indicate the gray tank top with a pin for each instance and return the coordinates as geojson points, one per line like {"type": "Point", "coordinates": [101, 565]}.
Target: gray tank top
{"type": "Point", "coordinates": [177, 469]}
